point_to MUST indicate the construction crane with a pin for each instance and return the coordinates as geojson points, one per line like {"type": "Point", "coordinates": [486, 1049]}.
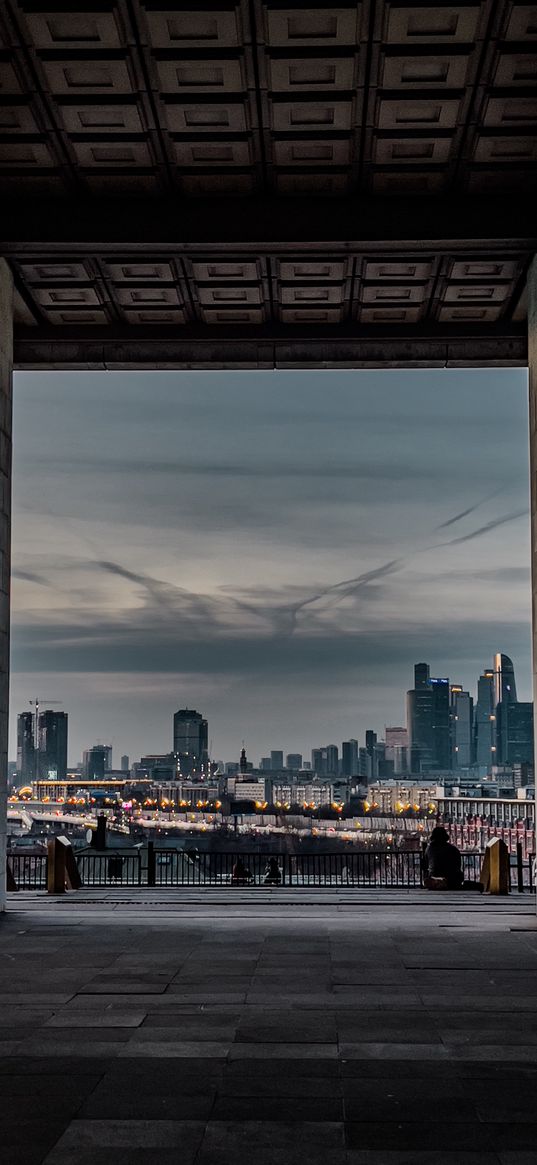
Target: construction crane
{"type": "Point", "coordinates": [35, 704]}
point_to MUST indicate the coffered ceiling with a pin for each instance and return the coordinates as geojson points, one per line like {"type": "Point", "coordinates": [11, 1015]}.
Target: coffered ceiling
{"type": "Point", "coordinates": [261, 183]}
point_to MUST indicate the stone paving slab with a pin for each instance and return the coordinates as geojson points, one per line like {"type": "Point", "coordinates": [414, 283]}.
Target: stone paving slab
{"type": "Point", "coordinates": [372, 1028]}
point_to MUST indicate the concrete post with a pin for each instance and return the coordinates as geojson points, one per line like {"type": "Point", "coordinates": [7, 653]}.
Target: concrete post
{"type": "Point", "coordinates": [532, 362]}
{"type": "Point", "coordinates": [6, 384]}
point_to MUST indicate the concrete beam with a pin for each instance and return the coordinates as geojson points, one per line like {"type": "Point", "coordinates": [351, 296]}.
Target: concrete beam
{"type": "Point", "coordinates": [6, 380]}
{"type": "Point", "coordinates": [416, 224]}
{"type": "Point", "coordinates": [131, 348]}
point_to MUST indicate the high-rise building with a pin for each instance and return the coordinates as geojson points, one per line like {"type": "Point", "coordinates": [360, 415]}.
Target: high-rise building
{"type": "Point", "coordinates": [332, 759]}
{"type": "Point", "coordinates": [190, 740]}
{"type": "Point", "coordinates": [428, 721]}
{"type": "Point", "coordinates": [26, 767]}
{"type": "Point", "coordinates": [349, 758]}
{"type": "Point", "coordinates": [276, 760]}
{"type": "Point", "coordinates": [125, 763]}
{"type": "Point", "coordinates": [397, 748]}
{"type": "Point", "coordinates": [293, 760]}
{"type": "Point", "coordinates": [318, 761]}
{"type": "Point", "coordinates": [504, 680]}
{"type": "Point", "coordinates": [52, 743]}
{"type": "Point", "coordinates": [514, 733]}
{"type": "Point", "coordinates": [485, 722]}
{"type": "Point", "coordinates": [94, 762]}
{"type": "Point", "coordinates": [462, 726]}
{"type": "Point", "coordinates": [265, 764]}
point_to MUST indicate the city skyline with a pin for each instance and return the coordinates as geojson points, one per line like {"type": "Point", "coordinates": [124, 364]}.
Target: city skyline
{"type": "Point", "coordinates": [276, 549]}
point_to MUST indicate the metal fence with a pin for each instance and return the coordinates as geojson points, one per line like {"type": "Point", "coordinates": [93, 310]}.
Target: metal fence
{"type": "Point", "coordinates": [152, 866]}
{"type": "Point", "coordinates": [29, 871]}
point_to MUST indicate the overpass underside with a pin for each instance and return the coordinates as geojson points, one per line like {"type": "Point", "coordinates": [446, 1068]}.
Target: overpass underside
{"type": "Point", "coordinates": [250, 184]}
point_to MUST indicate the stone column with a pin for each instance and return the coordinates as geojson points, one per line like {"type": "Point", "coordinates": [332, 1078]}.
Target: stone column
{"type": "Point", "coordinates": [6, 383]}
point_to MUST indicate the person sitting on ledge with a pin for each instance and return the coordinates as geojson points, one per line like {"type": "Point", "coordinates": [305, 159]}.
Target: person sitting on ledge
{"type": "Point", "coordinates": [443, 863]}
{"type": "Point", "coordinates": [272, 873]}
{"type": "Point", "coordinates": [240, 874]}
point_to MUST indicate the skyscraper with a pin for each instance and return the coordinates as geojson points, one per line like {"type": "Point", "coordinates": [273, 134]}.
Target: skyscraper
{"type": "Point", "coordinates": [514, 732]}
{"type": "Point", "coordinates": [94, 762]}
{"type": "Point", "coordinates": [428, 720]}
{"type": "Point", "coordinates": [485, 722]}
{"type": "Point", "coordinates": [52, 741]}
{"type": "Point", "coordinates": [397, 748]}
{"type": "Point", "coordinates": [504, 680]}
{"type": "Point", "coordinates": [190, 740]}
{"type": "Point", "coordinates": [26, 769]}
{"type": "Point", "coordinates": [349, 758]}
{"type": "Point", "coordinates": [332, 759]}
{"type": "Point", "coordinates": [462, 715]}
{"type": "Point", "coordinates": [124, 764]}
{"type": "Point", "coordinates": [276, 759]}
{"type": "Point", "coordinates": [293, 760]}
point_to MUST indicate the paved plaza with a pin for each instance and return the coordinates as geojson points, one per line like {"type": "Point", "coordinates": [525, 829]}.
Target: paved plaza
{"type": "Point", "coordinates": [266, 1027]}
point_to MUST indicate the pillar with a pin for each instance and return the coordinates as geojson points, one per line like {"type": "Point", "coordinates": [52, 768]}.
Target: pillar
{"type": "Point", "coordinates": [6, 383]}
{"type": "Point", "coordinates": [532, 362]}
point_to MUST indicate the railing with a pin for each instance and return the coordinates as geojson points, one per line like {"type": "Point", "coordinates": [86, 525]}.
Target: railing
{"type": "Point", "coordinates": [113, 868]}
{"type": "Point", "coordinates": [151, 866]}
{"type": "Point", "coordinates": [29, 871]}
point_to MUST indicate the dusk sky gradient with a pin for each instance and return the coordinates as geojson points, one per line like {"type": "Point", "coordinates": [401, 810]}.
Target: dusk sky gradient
{"type": "Point", "coordinates": [275, 549]}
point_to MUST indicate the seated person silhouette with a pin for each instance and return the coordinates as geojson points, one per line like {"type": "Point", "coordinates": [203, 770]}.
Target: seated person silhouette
{"type": "Point", "coordinates": [443, 863]}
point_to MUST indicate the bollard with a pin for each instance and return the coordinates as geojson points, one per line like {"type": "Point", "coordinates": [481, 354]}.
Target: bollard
{"type": "Point", "coordinates": [55, 867]}
{"type": "Point", "coordinates": [495, 868]}
{"type": "Point", "coordinates": [62, 870]}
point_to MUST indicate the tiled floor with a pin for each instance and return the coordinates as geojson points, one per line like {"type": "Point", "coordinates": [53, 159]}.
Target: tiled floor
{"type": "Point", "coordinates": [268, 1028]}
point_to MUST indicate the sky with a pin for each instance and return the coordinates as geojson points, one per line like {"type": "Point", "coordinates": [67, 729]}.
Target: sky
{"type": "Point", "coordinates": [274, 549]}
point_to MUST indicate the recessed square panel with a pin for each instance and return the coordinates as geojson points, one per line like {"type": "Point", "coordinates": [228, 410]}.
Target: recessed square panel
{"type": "Point", "coordinates": [516, 69]}
{"type": "Point", "coordinates": [153, 318]}
{"type": "Point", "coordinates": [157, 295]}
{"type": "Point", "coordinates": [507, 148]}
{"type": "Point", "coordinates": [131, 270]}
{"type": "Point", "coordinates": [309, 116]}
{"type": "Point", "coordinates": [390, 315]}
{"type": "Point", "coordinates": [479, 292]}
{"type": "Point", "coordinates": [88, 76]}
{"type": "Point", "coordinates": [81, 316]}
{"type": "Point", "coordinates": [198, 117]}
{"type": "Point", "coordinates": [8, 79]}
{"type": "Point", "coordinates": [313, 73]}
{"type": "Point", "coordinates": [186, 76]}
{"type": "Point", "coordinates": [76, 296]}
{"type": "Point", "coordinates": [412, 151]}
{"type": "Point", "coordinates": [17, 119]}
{"type": "Point", "coordinates": [232, 317]}
{"type": "Point", "coordinates": [309, 317]}
{"type": "Point", "coordinates": [74, 30]}
{"type": "Point", "coordinates": [24, 154]}
{"type": "Point", "coordinates": [312, 27]}
{"type": "Point", "coordinates": [511, 112]}
{"type": "Point", "coordinates": [393, 293]}
{"type": "Point", "coordinates": [401, 270]}
{"type": "Point", "coordinates": [425, 72]}
{"type": "Point", "coordinates": [485, 269]}
{"type": "Point", "coordinates": [45, 271]}
{"type": "Point", "coordinates": [116, 153]}
{"type": "Point", "coordinates": [101, 118]}
{"type": "Point", "coordinates": [207, 153]}
{"type": "Point", "coordinates": [439, 23]}
{"type": "Point", "coordinates": [424, 114]}
{"type": "Point", "coordinates": [229, 296]}
{"type": "Point", "coordinates": [522, 22]}
{"type": "Point", "coordinates": [176, 28]}
{"type": "Point", "coordinates": [319, 270]}
{"type": "Point", "coordinates": [308, 295]}
{"type": "Point", "coordinates": [394, 182]}
{"type": "Point", "coordinates": [219, 271]}
{"type": "Point", "coordinates": [311, 153]}
{"type": "Point", "coordinates": [469, 314]}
